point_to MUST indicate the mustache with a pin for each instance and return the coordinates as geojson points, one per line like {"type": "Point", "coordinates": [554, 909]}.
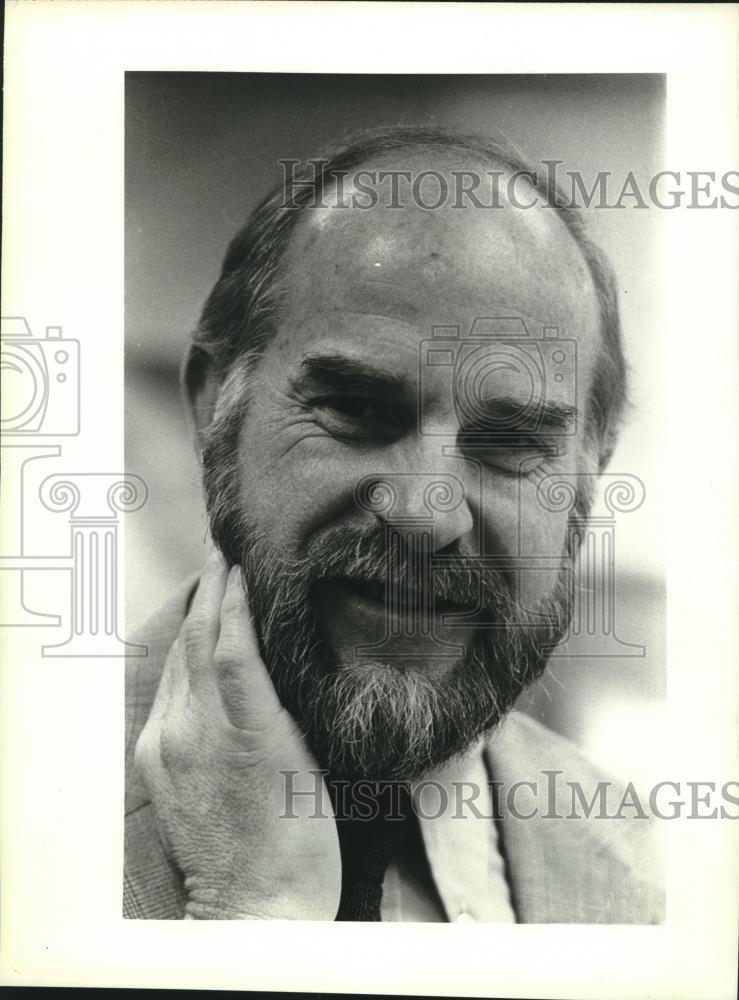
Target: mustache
{"type": "Point", "coordinates": [406, 569]}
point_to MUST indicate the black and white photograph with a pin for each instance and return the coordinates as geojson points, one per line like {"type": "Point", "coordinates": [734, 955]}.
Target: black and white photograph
{"type": "Point", "coordinates": [406, 388]}
{"type": "Point", "coordinates": [369, 398]}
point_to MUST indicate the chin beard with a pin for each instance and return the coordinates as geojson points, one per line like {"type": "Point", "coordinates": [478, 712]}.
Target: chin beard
{"type": "Point", "coordinates": [382, 719]}
{"type": "Point", "coordinates": [377, 720]}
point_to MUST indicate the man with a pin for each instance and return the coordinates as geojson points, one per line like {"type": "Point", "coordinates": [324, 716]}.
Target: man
{"type": "Point", "coordinates": [386, 383]}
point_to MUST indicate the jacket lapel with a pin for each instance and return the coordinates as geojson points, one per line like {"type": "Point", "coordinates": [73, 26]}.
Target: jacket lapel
{"type": "Point", "coordinates": [566, 870]}
{"type": "Point", "coordinates": [582, 870]}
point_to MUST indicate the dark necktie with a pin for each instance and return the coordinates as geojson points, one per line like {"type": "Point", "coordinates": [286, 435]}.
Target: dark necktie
{"type": "Point", "coordinates": [367, 847]}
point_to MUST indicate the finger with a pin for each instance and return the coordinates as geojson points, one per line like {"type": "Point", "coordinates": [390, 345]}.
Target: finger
{"type": "Point", "coordinates": [201, 627]}
{"type": "Point", "coordinates": [248, 694]}
{"type": "Point", "coordinates": [176, 680]}
{"type": "Point", "coordinates": [148, 742]}
{"type": "Point", "coordinates": [170, 679]}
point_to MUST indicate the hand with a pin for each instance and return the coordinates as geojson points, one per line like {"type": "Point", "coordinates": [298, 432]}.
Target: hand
{"type": "Point", "coordinates": [211, 755]}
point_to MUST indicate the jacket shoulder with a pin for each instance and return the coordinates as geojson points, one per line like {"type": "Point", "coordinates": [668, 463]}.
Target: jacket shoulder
{"type": "Point", "coordinates": [577, 849]}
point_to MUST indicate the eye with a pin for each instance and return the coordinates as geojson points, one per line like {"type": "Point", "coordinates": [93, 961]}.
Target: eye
{"type": "Point", "coordinates": [512, 454]}
{"type": "Point", "coordinates": [358, 417]}
{"type": "Point", "coordinates": [355, 408]}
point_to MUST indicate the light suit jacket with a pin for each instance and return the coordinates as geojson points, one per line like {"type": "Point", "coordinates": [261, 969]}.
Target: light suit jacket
{"type": "Point", "coordinates": [559, 870]}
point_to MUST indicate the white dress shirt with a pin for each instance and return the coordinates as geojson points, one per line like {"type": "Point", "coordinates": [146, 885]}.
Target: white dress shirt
{"type": "Point", "coordinates": [453, 870]}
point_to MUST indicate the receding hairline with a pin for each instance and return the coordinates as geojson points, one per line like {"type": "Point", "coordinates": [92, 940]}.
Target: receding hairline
{"type": "Point", "coordinates": [237, 317]}
{"type": "Point", "coordinates": [559, 267]}
{"type": "Point", "coordinates": [396, 158]}
{"type": "Point", "coordinates": [448, 157]}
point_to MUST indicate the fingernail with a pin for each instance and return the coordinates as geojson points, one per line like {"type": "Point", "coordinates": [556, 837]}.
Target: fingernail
{"type": "Point", "coordinates": [214, 562]}
{"type": "Point", "coordinates": [235, 580]}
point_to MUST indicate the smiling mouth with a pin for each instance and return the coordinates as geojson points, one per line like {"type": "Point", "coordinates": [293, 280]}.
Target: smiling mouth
{"type": "Point", "coordinates": [401, 598]}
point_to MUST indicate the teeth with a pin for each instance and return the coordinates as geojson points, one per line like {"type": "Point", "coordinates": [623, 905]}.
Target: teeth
{"type": "Point", "coordinates": [377, 591]}
{"type": "Point", "coordinates": [402, 599]}
{"type": "Point", "coordinates": [370, 588]}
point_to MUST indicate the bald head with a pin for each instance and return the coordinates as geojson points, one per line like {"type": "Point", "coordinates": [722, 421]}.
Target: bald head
{"type": "Point", "coordinates": [456, 261]}
{"type": "Point", "coordinates": [452, 262]}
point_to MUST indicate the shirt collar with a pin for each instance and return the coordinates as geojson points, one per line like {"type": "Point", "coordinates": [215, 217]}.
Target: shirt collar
{"type": "Point", "coordinates": [455, 816]}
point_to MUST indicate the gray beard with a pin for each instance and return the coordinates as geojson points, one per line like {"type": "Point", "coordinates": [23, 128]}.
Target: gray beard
{"type": "Point", "coordinates": [373, 718]}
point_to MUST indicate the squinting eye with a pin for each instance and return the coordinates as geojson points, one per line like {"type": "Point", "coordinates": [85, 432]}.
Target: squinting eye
{"type": "Point", "coordinates": [358, 418]}
{"type": "Point", "coordinates": [516, 455]}
{"type": "Point", "coordinates": [522, 443]}
{"type": "Point", "coordinates": [353, 407]}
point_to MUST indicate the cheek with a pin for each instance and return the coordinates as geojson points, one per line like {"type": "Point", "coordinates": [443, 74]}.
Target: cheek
{"type": "Point", "coordinates": [289, 494]}
{"type": "Point", "coordinates": [537, 537]}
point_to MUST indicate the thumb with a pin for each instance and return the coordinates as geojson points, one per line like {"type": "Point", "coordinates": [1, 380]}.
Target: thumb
{"type": "Point", "coordinates": [248, 694]}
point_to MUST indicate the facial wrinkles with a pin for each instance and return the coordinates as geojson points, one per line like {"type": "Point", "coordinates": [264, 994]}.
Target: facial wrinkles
{"type": "Point", "coordinates": [372, 715]}
{"type": "Point", "coordinates": [358, 310]}
{"type": "Point", "coordinates": [368, 718]}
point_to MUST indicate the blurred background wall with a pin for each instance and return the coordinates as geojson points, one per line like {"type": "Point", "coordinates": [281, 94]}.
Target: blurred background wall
{"type": "Point", "coordinates": [202, 149]}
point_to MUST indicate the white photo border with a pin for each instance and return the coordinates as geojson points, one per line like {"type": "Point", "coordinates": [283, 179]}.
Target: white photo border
{"type": "Point", "coordinates": [62, 767]}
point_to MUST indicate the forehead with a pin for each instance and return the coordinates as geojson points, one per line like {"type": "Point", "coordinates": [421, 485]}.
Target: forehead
{"type": "Point", "coordinates": [374, 282]}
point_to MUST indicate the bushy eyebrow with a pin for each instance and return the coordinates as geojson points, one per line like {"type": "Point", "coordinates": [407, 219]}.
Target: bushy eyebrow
{"type": "Point", "coordinates": [344, 374]}
{"type": "Point", "coordinates": [508, 413]}
{"type": "Point", "coordinates": [341, 373]}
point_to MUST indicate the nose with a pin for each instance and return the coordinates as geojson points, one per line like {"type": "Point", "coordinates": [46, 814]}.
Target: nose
{"type": "Point", "coordinates": [423, 505]}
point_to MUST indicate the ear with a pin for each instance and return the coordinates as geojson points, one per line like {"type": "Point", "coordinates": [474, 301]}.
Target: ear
{"type": "Point", "coordinates": [201, 388]}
